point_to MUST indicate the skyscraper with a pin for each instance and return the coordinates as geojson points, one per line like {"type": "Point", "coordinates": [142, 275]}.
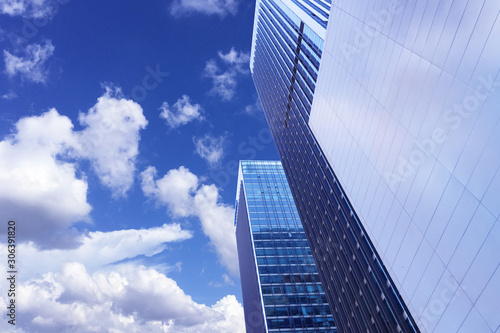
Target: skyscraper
{"type": "Point", "coordinates": [388, 129]}
{"type": "Point", "coordinates": [280, 284]}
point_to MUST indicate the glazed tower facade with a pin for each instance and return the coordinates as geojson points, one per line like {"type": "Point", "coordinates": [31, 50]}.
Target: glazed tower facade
{"type": "Point", "coordinates": [288, 44]}
{"type": "Point", "coordinates": [389, 135]}
{"type": "Point", "coordinates": [281, 288]}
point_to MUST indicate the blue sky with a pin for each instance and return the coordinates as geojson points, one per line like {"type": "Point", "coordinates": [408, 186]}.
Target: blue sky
{"type": "Point", "coordinates": [121, 125]}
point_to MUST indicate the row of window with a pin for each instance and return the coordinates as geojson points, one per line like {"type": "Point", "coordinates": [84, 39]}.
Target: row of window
{"type": "Point", "coordinates": [285, 203]}
{"type": "Point", "coordinates": [272, 214]}
{"type": "Point", "coordinates": [258, 191]}
{"type": "Point", "coordinates": [280, 243]}
{"type": "Point", "coordinates": [287, 269]}
{"type": "Point", "coordinates": [279, 235]}
{"type": "Point", "coordinates": [259, 175]}
{"type": "Point", "coordinates": [293, 227]}
{"type": "Point", "coordinates": [268, 221]}
{"type": "Point", "coordinates": [289, 278]}
{"type": "Point", "coordinates": [264, 225]}
{"type": "Point", "coordinates": [283, 251]}
{"type": "Point", "coordinates": [289, 311]}
{"type": "Point", "coordinates": [285, 260]}
{"type": "Point", "coordinates": [305, 330]}
{"type": "Point", "coordinates": [316, 299]}
{"type": "Point", "coordinates": [286, 216]}
{"type": "Point", "coordinates": [300, 322]}
{"type": "Point", "coordinates": [293, 289]}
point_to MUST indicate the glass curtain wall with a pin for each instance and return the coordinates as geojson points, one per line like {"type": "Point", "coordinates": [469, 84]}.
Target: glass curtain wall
{"type": "Point", "coordinates": [293, 299]}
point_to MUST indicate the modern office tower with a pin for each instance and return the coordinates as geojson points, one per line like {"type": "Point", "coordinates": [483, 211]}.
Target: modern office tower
{"type": "Point", "coordinates": [391, 146]}
{"type": "Point", "coordinates": [280, 284]}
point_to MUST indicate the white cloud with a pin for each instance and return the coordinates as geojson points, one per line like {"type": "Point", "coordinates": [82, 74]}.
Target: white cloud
{"type": "Point", "coordinates": [27, 8]}
{"type": "Point", "coordinates": [217, 223]}
{"type": "Point", "coordinates": [38, 189]}
{"type": "Point", "coordinates": [88, 290]}
{"type": "Point", "coordinates": [31, 66]}
{"type": "Point", "coordinates": [224, 83]}
{"type": "Point", "coordinates": [180, 191]}
{"type": "Point", "coordinates": [254, 109]}
{"type": "Point", "coordinates": [39, 186]}
{"type": "Point", "coordinates": [126, 299]}
{"type": "Point", "coordinates": [176, 188]}
{"type": "Point", "coordinates": [99, 249]}
{"type": "Point", "coordinates": [111, 140]}
{"type": "Point", "coordinates": [226, 280]}
{"type": "Point", "coordinates": [239, 60]}
{"type": "Point", "coordinates": [207, 7]}
{"type": "Point", "coordinates": [210, 149]}
{"type": "Point", "coordinates": [181, 113]}
{"type": "Point", "coordinates": [10, 95]}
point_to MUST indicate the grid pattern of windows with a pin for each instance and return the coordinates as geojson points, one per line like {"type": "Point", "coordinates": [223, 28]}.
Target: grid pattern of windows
{"type": "Point", "coordinates": [317, 9]}
{"type": "Point", "coordinates": [358, 287]}
{"type": "Point", "coordinates": [292, 297]}
{"type": "Point", "coordinates": [292, 52]}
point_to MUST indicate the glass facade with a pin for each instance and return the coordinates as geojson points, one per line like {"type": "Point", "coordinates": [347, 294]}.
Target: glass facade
{"type": "Point", "coordinates": [282, 291]}
{"type": "Point", "coordinates": [285, 64]}
{"type": "Point", "coordinates": [407, 111]}
{"type": "Point", "coordinates": [288, 51]}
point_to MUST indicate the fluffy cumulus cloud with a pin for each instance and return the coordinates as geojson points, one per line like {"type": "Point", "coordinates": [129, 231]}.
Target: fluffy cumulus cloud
{"type": "Point", "coordinates": [40, 185]}
{"type": "Point", "coordinates": [36, 186]}
{"type": "Point", "coordinates": [181, 191]}
{"type": "Point", "coordinates": [29, 8]}
{"type": "Point", "coordinates": [238, 59]}
{"type": "Point", "coordinates": [31, 65]}
{"type": "Point", "coordinates": [111, 139]}
{"type": "Point", "coordinates": [181, 113]}
{"type": "Point", "coordinates": [210, 148]}
{"type": "Point", "coordinates": [176, 189]}
{"type": "Point", "coordinates": [127, 298]}
{"type": "Point", "coordinates": [90, 289]}
{"type": "Point", "coordinates": [207, 7]}
{"type": "Point", "coordinates": [224, 80]}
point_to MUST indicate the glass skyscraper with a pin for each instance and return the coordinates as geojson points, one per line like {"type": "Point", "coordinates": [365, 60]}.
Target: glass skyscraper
{"type": "Point", "coordinates": [281, 288]}
{"type": "Point", "coordinates": [387, 124]}
{"type": "Point", "coordinates": [288, 44]}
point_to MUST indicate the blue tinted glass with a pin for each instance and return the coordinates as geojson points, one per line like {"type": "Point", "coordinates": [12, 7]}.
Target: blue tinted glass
{"type": "Point", "coordinates": [288, 277]}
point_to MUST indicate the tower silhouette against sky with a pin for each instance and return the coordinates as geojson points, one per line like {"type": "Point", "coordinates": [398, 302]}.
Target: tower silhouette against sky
{"type": "Point", "coordinates": [385, 116]}
{"type": "Point", "coordinates": [281, 288]}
